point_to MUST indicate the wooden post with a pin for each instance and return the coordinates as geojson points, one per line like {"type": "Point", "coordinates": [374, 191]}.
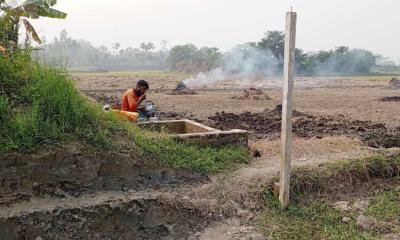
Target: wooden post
{"type": "Point", "coordinates": [287, 105]}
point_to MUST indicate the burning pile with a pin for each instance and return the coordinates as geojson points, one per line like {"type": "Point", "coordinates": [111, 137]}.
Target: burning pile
{"type": "Point", "coordinates": [253, 94]}
{"type": "Point", "coordinates": [394, 83]}
{"type": "Point", "coordinates": [182, 89]}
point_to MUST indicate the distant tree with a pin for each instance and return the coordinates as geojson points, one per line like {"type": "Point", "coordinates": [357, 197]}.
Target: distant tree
{"type": "Point", "coordinates": [103, 49]}
{"type": "Point", "coordinates": [342, 61]}
{"type": "Point", "coordinates": [164, 45]}
{"type": "Point", "coordinates": [323, 56]}
{"type": "Point", "coordinates": [188, 58]}
{"type": "Point", "coordinates": [361, 61]}
{"type": "Point", "coordinates": [181, 57]}
{"type": "Point", "coordinates": [116, 46]}
{"type": "Point", "coordinates": [64, 36]}
{"type": "Point", "coordinates": [274, 41]}
{"type": "Point", "coordinates": [147, 46]}
{"type": "Point", "coordinates": [80, 54]}
{"type": "Point", "coordinates": [341, 50]}
{"type": "Point", "coordinates": [304, 63]}
{"type": "Point", "coordinates": [207, 59]}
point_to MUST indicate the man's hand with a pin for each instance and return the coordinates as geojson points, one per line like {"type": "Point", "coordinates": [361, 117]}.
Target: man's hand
{"type": "Point", "coordinates": [143, 97]}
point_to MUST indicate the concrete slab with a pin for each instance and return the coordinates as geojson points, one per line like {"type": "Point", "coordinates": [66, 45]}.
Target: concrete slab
{"type": "Point", "coordinates": [191, 132]}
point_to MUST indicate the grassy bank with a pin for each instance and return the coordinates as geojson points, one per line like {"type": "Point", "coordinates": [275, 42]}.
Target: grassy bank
{"type": "Point", "coordinates": [315, 190]}
{"type": "Point", "coordinates": [41, 104]}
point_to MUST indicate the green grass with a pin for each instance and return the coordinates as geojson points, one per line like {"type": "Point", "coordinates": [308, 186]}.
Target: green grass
{"type": "Point", "coordinates": [177, 155]}
{"type": "Point", "coordinates": [314, 190]}
{"type": "Point", "coordinates": [38, 103]}
{"type": "Point", "coordinates": [317, 220]}
{"type": "Point", "coordinates": [385, 206]}
{"type": "Point", "coordinates": [323, 180]}
{"type": "Point", "coordinates": [153, 145]}
{"type": "Point", "coordinates": [42, 103]}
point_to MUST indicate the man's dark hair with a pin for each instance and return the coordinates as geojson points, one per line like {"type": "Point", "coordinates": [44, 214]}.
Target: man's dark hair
{"type": "Point", "coordinates": [142, 83]}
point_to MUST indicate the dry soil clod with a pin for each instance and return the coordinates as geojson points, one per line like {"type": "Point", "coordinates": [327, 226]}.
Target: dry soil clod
{"type": "Point", "coordinates": [253, 94]}
{"type": "Point", "coordinates": [394, 83]}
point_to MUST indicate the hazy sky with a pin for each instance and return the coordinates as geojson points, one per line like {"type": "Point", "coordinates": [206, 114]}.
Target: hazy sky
{"type": "Point", "coordinates": [322, 24]}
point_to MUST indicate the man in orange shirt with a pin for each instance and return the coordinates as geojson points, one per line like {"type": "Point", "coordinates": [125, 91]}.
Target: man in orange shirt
{"type": "Point", "coordinates": [133, 97]}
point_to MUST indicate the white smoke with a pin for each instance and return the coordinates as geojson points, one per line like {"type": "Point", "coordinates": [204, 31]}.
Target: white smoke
{"type": "Point", "coordinates": [350, 62]}
{"type": "Point", "coordinates": [244, 60]}
{"type": "Point", "coordinates": [204, 79]}
{"type": "Point", "coordinates": [248, 65]}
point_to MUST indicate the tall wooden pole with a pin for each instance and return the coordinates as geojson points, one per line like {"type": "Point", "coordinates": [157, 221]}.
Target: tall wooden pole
{"type": "Point", "coordinates": [287, 106]}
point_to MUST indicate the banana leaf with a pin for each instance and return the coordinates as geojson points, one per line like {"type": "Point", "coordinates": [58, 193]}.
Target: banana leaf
{"type": "Point", "coordinates": [41, 8]}
{"type": "Point", "coordinates": [30, 29]}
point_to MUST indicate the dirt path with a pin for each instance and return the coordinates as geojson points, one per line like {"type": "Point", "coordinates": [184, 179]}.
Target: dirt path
{"type": "Point", "coordinates": [241, 191]}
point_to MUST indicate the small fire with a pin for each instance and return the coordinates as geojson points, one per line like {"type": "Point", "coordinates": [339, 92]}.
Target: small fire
{"type": "Point", "coordinates": [182, 89]}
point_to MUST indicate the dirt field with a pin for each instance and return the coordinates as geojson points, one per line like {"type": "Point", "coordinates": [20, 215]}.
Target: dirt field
{"type": "Point", "coordinates": [354, 99]}
{"type": "Point", "coordinates": [337, 118]}
{"type": "Point", "coordinates": [357, 98]}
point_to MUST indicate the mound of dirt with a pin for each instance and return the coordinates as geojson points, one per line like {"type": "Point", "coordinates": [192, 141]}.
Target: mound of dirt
{"type": "Point", "coordinates": [183, 92]}
{"type": "Point", "coordinates": [394, 83]}
{"type": "Point", "coordinates": [267, 124]}
{"type": "Point", "coordinates": [253, 94]}
{"type": "Point", "coordinates": [390, 99]}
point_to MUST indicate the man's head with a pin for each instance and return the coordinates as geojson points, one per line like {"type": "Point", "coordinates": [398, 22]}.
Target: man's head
{"type": "Point", "coordinates": [141, 87]}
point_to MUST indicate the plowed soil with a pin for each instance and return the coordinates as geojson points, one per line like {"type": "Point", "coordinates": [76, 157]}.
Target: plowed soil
{"type": "Point", "coordinates": [183, 92]}
{"type": "Point", "coordinates": [267, 124]}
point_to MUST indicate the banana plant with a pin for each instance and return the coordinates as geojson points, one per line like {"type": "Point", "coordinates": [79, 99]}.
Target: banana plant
{"type": "Point", "coordinates": [40, 8]}
{"type": "Point", "coordinates": [29, 9]}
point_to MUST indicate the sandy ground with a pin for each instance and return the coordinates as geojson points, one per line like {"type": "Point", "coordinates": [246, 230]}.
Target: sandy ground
{"type": "Point", "coordinates": [357, 98]}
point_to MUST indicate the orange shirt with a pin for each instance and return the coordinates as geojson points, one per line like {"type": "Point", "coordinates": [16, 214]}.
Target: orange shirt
{"type": "Point", "coordinates": [130, 101]}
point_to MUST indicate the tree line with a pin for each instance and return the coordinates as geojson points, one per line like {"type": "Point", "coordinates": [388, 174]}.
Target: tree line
{"type": "Point", "coordinates": [264, 56]}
